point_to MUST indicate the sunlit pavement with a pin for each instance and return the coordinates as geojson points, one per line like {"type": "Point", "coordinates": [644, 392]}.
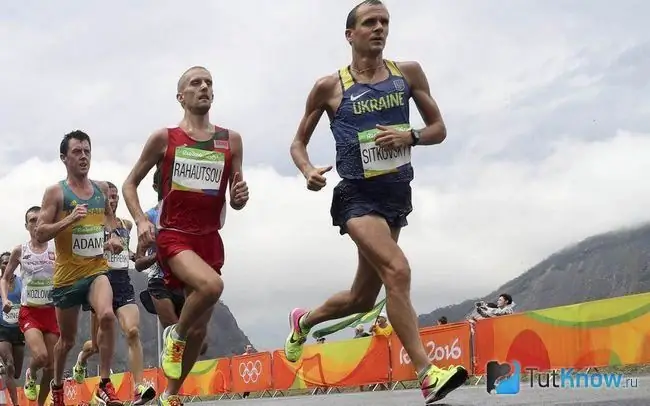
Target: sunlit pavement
{"type": "Point", "coordinates": [475, 395]}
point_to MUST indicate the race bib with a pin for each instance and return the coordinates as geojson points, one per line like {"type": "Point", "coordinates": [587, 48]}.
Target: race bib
{"type": "Point", "coordinates": [38, 292]}
{"type": "Point", "coordinates": [88, 240]}
{"type": "Point", "coordinates": [378, 161]}
{"type": "Point", "coordinates": [196, 170]}
{"type": "Point", "coordinates": [118, 261]}
{"type": "Point", "coordinates": [12, 316]}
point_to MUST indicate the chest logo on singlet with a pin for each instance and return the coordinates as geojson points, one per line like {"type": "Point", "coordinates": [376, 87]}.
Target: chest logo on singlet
{"type": "Point", "coordinates": [197, 170]}
{"type": "Point", "coordinates": [88, 240]}
{"type": "Point", "coordinates": [378, 161]}
{"type": "Point", "coordinates": [381, 103]}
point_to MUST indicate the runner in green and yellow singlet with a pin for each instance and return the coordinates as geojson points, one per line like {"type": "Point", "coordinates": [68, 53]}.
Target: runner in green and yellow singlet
{"type": "Point", "coordinates": [74, 213]}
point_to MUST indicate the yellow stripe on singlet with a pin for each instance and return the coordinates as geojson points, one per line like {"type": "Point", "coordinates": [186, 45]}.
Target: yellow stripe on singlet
{"type": "Point", "coordinates": [392, 67]}
{"type": "Point", "coordinates": [346, 78]}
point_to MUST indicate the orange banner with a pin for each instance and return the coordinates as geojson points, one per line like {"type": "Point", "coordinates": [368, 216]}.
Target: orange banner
{"type": "Point", "coordinates": [445, 345]}
{"type": "Point", "coordinates": [593, 334]}
{"type": "Point", "coordinates": [354, 362]}
{"type": "Point", "coordinates": [600, 333]}
{"type": "Point", "coordinates": [153, 378]}
{"type": "Point", "coordinates": [251, 373]}
{"type": "Point", "coordinates": [123, 383]}
{"type": "Point", "coordinates": [208, 377]}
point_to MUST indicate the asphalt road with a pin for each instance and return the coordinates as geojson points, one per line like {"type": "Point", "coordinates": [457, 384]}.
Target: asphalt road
{"type": "Point", "coordinates": [474, 395]}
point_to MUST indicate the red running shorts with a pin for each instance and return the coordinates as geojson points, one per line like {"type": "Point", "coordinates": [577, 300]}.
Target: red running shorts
{"type": "Point", "coordinates": [41, 318]}
{"type": "Point", "coordinates": [209, 247]}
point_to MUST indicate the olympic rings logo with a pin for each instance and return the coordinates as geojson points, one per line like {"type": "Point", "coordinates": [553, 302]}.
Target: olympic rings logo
{"type": "Point", "coordinates": [149, 382]}
{"type": "Point", "coordinates": [250, 371]}
{"type": "Point", "coordinates": [70, 391]}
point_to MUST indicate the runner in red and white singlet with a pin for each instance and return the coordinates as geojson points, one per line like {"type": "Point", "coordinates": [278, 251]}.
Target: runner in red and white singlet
{"type": "Point", "coordinates": [193, 191]}
{"type": "Point", "coordinates": [37, 317]}
{"type": "Point", "coordinates": [197, 161]}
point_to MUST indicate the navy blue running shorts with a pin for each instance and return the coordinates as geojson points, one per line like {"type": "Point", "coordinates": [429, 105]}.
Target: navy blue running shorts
{"type": "Point", "coordinates": [390, 200]}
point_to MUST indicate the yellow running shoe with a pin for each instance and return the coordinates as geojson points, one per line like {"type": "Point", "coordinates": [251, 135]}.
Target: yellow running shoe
{"type": "Point", "coordinates": [171, 357]}
{"type": "Point", "coordinates": [30, 389]}
{"type": "Point", "coordinates": [438, 383]}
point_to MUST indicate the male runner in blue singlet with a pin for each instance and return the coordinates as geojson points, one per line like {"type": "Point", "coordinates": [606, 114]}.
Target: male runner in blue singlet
{"type": "Point", "coordinates": [368, 106]}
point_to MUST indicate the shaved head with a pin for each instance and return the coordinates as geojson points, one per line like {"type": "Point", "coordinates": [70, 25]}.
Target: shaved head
{"type": "Point", "coordinates": [182, 82]}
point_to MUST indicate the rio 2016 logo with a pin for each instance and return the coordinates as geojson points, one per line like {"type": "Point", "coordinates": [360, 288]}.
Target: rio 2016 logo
{"type": "Point", "coordinates": [435, 352]}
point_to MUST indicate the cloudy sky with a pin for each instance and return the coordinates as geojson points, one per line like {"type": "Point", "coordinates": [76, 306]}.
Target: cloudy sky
{"type": "Point", "coordinates": [547, 105]}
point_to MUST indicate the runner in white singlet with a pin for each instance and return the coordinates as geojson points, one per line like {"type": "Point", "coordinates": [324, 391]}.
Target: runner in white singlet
{"type": "Point", "coordinates": [37, 317]}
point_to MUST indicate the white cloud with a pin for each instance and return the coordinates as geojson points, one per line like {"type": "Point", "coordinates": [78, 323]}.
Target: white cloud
{"type": "Point", "coordinates": [547, 123]}
{"type": "Point", "coordinates": [483, 226]}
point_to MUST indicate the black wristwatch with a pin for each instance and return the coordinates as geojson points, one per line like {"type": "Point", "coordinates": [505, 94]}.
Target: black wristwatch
{"type": "Point", "coordinates": [415, 135]}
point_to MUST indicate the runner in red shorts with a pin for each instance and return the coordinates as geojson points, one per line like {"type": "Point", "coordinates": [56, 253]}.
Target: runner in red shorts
{"type": "Point", "coordinates": [37, 317]}
{"type": "Point", "coordinates": [197, 161]}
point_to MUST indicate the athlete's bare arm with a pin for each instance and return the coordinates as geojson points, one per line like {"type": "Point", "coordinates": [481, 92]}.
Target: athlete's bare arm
{"type": "Point", "coordinates": [14, 261]}
{"type": "Point", "coordinates": [322, 97]}
{"type": "Point", "coordinates": [47, 227]}
{"type": "Point", "coordinates": [108, 210]}
{"type": "Point", "coordinates": [129, 226]}
{"type": "Point", "coordinates": [143, 261]}
{"type": "Point", "coordinates": [152, 153]}
{"type": "Point", "coordinates": [237, 170]}
{"type": "Point", "coordinates": [435, 131]}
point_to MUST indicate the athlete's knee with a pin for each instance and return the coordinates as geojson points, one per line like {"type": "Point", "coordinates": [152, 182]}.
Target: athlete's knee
{"type": "Point", "coordinates": [132, 334]}
{"type": "Point", "coordinates": [397, 275]}
{"type": "Point", "coordinates": [106, 319]}
{"type": "Point", "coordinates": [39, 358]}
{"type": "Point", "coordinates": [10, 369]}
{"type": "Point", "coordinates": [213, 287]}
{"type": "Point", "coordinates": [66, 341]}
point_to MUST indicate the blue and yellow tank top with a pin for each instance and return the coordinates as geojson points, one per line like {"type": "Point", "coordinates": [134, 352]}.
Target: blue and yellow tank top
{"type": "Point", "coordinates": [354, 127]}
{"type": "Point", "coordinates": [11, 319]}
{"type": "Point", "coordinates": [80, 247]}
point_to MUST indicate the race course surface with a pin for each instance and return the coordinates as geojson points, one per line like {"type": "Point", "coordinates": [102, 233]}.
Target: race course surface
{"type": "Point", "coordinates": [470, 395]}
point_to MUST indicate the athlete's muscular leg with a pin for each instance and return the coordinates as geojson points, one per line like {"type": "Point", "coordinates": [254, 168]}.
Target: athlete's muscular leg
{"type": "Point", "coordinates": [90, 347]}
{"type": "Point", "coordinates": [360, 298]}
{"type": "Point", "coordinates": [48, 370]}
{"type": "Point", "coordinates": [165, 311]}
{"type": "Point", "coordinates": [129, 318]}
{"type": "Point", "coordinates": [374, 239]}
{"type": "Point", "coordinates": [101, 299]}
{"type": "Point", "coordinates": [7, 355]}
{"type": "Point", "coordinates": [67, 320]}
{"type": "Point", "coordinates": [36, 344]}
{"type": "Point", "coordinates": [19, 358]}
{"type": "Point", "coordinates": [195, 339]}
{"type": "Point", "coordinates": [205, 283]}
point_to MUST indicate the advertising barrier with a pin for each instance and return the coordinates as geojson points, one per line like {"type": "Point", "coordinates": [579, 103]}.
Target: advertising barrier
{"type": "Point", "coordinates": [446, 345]}
{"type": "Point", "coordinates": [362, 361]}
{"type": "Point", "coordinates": [593, 334]}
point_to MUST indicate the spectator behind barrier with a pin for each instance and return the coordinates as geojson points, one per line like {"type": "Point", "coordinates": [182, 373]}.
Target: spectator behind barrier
{"type": "Point", "coordinates": [442, 321]}
{"type": "Point", "coordinates": [382, 327]}
{"type": "Point", "coordinates": [359, 332]}
{"type": "Point", "coordinates": [503, 306]}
